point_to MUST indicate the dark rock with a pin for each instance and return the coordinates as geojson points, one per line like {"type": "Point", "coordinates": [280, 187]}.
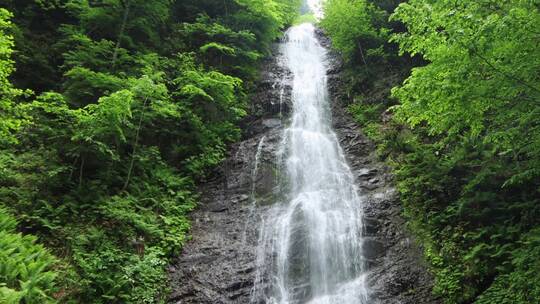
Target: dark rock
{"type": "Point", "coordinates": [371, 226]}
{"type": "Point", "coordinates": [217, 265]}
{"type": "Point", "coordinates": [373, 181]}
{"type": "Point", "coordinates": [367, 173]}
{"type": "Point", "coordinates": [372, 248]}
{"type": "Point", "coordinates": [397, 273]}
{"type": "Point", "coordinates": [218, 207]}
{"type": "Point", "coordinates": [369, 186]}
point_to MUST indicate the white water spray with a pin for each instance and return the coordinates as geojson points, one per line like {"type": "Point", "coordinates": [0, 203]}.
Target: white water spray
{"type": "Point", "coordinates": [310, 248]}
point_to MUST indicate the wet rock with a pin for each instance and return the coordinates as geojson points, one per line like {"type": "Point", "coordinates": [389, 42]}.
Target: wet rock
{"type": "Point", "coordinates": [397, 273]}
{"type": "Point", "coordinates": [373, 181]}
{"type": "Point", "coordinates": [373, 248]}
{"type": "Point", "coordinates": [271, 100]}
{"type": "Point", "coordinates": [368, 186]}
{"type": "Point", "coordinates": [217, 265]}
{"type": "Point", "coordinates": [272, 122]}
{"type": "Point", "coordinates": [265, 181]}
{"type": "Point", "coordinates": [243, 197]}
{"type": "Point", "coordinates": [371, 226]}
{"type": "Point", "coordinates": [366, 173]}
{"type": "Point", "coordinates": [218, 208]}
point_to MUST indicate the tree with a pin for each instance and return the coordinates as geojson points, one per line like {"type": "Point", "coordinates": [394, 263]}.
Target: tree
{"type": "Point", "coordinates": [11, 118]}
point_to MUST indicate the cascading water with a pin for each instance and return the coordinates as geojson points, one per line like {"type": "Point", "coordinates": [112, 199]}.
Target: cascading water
{"type": "Point", "coordinates": [253, 186]}
{"type": "Point", "coordinates": [310, 246]}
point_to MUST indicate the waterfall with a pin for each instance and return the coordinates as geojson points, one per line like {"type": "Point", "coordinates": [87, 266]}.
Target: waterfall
{"type": "Point", "coordinates": [310, 244]}
{"type": "Point", "coordinates": [253, 193]}
{"type": "Point", "coordinates": [256, 168]}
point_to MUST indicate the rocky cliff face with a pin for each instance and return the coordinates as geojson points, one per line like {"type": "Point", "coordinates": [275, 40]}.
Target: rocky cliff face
{"type": "Point", "coordinates": [217, 265]}
{"type": "Point", "coordinates": [397, 271]}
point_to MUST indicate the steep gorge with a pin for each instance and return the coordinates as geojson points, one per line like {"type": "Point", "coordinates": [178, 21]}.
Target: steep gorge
{"type": "Point", "coordinates": [224, 262]}
{"type": "Point", "coordinates": [313, 169]}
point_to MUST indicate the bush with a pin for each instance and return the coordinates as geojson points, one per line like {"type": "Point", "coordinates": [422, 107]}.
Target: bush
{"type": "Point", "coordinates": [26, 269]}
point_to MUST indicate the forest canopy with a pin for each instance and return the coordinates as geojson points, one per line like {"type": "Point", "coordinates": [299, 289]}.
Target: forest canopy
{"type": "Point", "coordinates": [455, 112]}
{"type": "Point", "coordinates": [110, 111]}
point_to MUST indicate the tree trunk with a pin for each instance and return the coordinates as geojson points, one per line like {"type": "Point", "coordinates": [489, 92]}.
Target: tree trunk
{"type": "Point", "coordinates": [132, 162]}
{"type": "Point", "coordinates": [121, 33]}
{"type": "Point", "coordinates": [362, 53]}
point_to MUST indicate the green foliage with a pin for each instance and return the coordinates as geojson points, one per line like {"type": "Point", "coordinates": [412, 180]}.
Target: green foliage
{"type": "Point", "coordinates": [521, 285]}
{"type": "Point", "coordinates": [231, 51]}
{"type": "Point", "coordinates": [122, 20]}
{"type": "Point", "coordinates": [494, 53]}
{"type": "Point", "coordinates": [306, 18]}
{"type": "Point", "coordinates": [475, 98]}
{"type": "Point", "coordinates": [352, 26]}
{"type": "Point", "coordinates": [365, 113]}
{"type": "Point", "coordinates": [266, 17]}
{"type": "Point", "coordinates": [136, 101]}
{"type": "Point", "coordinates": [35, 33]}
{"type": "Point", "coordinates": [461, 133]}
{"type": "Point", "coordinates": [10, 120]}
{"type": "Point", "coordinates": [360, 30]}
{"type": "Point", "coordinates": [26, 274]}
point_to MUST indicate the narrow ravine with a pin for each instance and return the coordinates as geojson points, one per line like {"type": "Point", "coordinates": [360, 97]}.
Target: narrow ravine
{"type": "Point", "coordinates": [301, 212]}
{"type": "Point", "coordinates": [311, 243]}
